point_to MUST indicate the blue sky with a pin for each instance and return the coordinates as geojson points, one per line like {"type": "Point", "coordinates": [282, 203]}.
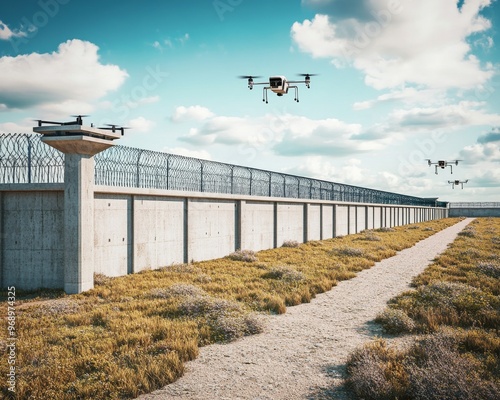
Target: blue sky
{"type": "Point", "coordinates": [399, 81]}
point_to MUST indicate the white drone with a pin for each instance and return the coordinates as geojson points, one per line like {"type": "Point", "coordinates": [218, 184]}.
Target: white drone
{"type": "Point", "coordinates": [278, 84]}
{"type": "Point", "coordinates": [456, 183]}
{"type": "Point", "coordinates": [443, 164]}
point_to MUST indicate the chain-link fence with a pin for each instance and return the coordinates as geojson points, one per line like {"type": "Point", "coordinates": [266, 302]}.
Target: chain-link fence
{"type": "Point", "coordinates": [25, 159]}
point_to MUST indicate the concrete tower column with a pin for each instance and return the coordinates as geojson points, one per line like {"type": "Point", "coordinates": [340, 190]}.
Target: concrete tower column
{"type": "Point", "coordinates": [79, 144]}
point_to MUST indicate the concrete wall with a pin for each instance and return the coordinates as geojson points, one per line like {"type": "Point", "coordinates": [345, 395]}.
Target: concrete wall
{"type": "Point", "coordinates": [32, 239]}
{"type": "Point", "coordinates": [138, 229]}
{"type": "Point", "coordinates": [474, 212]}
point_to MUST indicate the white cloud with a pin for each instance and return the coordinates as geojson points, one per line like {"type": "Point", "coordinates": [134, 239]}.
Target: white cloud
{"type": "Point", "coordinates": [282, 134]}
{"type": "Point", "coordinates": [324, 137]}
{"type": "Point", "coordinates": [203, 154]}
{"type": "Point", "coordinates": [6, 33]}
{"type": "Point", "coordinates": [169, 42]}
{"type": "Point", "coordinates": [198, 113]}
{"type": "Point", "coordinates": [352, 172]}
{"type": "Point", "coordinates": [421, 42]}
{"type": "Point", "coordinates": [25, 126]}
{"type": "Point", "coordinates": [72, 72]}
{"type": "Point", "coordinates": [407, 96]}
{"type": "Point", "coordinates": [480, 153]}
{"type": "Point", "coordinates": [462, 114]}
{"type": "Point", "coordinates": [141, 124]}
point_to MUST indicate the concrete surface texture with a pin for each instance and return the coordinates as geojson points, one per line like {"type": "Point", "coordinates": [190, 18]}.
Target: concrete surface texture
{"type": "Point", "coordinates": [60, 238]}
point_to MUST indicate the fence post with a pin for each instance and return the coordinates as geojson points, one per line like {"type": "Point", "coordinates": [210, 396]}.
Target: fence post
{"type": "Point", "coordinates": [137, 179]}
{"type": "Point", "coordinates": [29, 158]}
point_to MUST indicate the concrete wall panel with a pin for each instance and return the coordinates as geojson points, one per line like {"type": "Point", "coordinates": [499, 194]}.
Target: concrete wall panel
{"type": "Point", "coordinates": [112, 237]}
{"type": "Point", "coordinates": [290, 222]}
{"type": "Point", "coordinates": [327, 221]}
{"type": "Point", "coordinates": [211, 228]}
{"type": "Point", "coordinates": [32, 240]}
{"type": "Point", "coordinates": [313, 222]}
{"type": "Point", "coordinates": [158, 232]}
{"type": "Point", "coordinates": [257, 225]}
{"type": "Point", "coordinates": [360, 218]}
{"type": "Point", "coordinates": [377, 217]}
{"type": "Point", "coordinates": [352, 219]}
{"type": "Point", "coordinates": [341, 220]}
{"type": "Point", "coordinates": [369, 213]}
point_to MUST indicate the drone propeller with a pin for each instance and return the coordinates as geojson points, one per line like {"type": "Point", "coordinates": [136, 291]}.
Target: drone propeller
{"type": "Point", "coordinates": [79, 118]}
{"type": "Point", "coordinates": [115, 127]}
{"type": "Point", "coordinates": [249, 76]}
{"type": "Point", "coordinates": [307, 78]}
{"type": "Point", "coordinates": [250, 80]}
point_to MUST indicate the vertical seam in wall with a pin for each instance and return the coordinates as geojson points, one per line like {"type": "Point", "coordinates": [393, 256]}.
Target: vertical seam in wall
{"type": "Point", "coordinates": [321, 221]}
{"type": "Point", "coordinates": [305, 215]}
{"type": "Point", "coordinates": [348, 219]}
{"type": "Point", "coordinates": [275, 224]}
{"type": "Point", "coordinates": [334, 221]}
{"type": "Point", "coordinates": [131, 237]}
{"type": "Point", "coordinates": [186, 230]}
{"type": "Point", "coordinates": [238, 215]}
{"type": "Point", "coordinates": [366, 217]}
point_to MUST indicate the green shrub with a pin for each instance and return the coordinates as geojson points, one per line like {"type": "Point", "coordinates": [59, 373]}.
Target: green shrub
{"type": "Point", "coordinates": [395, 321]}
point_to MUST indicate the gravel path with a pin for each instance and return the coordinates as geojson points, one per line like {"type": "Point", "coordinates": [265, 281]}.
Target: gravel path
{"type": "Point", "coordinates": [302, 354]}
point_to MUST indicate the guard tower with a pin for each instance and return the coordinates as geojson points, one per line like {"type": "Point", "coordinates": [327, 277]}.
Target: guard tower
{"type": "Point", "coordinates": [79, 144]}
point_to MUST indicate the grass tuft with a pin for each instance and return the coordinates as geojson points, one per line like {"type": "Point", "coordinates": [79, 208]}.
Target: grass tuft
{"type": "Point", "coordinates": [395, 321]}
{"type": "Point", "coordinates": [290, 243]}
{"type": "Point", "coordinates": [284, 273]}
{"type": "Point", "coordinates": [349, 252]}
{"type": "Point", "coordinates": [243, 255]}
{"type": "Point", "coordinates": [177, 290]}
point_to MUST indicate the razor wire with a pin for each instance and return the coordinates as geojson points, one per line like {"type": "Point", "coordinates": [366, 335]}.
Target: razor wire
{"type": "Point", "coordinates": [25, 159]}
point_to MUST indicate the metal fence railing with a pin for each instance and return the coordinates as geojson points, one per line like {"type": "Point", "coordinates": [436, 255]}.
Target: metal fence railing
{"type": "Point", "coordinates": [25, 159]}
{"type": "Point", "coordinates": [484, 204]}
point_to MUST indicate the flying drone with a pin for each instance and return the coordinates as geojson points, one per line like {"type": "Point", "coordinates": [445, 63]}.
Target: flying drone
{"type": "Point", "coordinates": [78, 121]}
{"type": "Point", "coordinates": [113, 128]}
{"type": "Point", "coordinates": [278, 84]}
{"type": "Point", "coordinates": [443, 164]}
{"type": "Point", "coordinates": [456, 183]}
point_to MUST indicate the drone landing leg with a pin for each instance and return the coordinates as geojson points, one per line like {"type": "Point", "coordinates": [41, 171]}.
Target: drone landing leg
{"type": "Point", "coordinates": [264, 94]}
{"type": "Point", "coordinates": [436, 169]}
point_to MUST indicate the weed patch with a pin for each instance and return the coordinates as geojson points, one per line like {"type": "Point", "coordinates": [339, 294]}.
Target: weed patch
{"type": "Point", "coordinates": [243, 255]}
{"type": "Point", "coordinates": [290, 243]}
{"type": "Point", "coordinates": [284, 273]}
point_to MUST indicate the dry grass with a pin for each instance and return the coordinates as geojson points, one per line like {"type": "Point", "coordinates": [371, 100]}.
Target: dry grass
{"type": "Point", "coordinates": [133, 334]}
{"type": "Point", "coordinates": [456, 305]}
